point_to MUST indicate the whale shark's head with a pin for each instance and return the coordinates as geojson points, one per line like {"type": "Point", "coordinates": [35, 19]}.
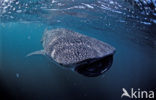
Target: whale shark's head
{"type": "Point", "coordinates": [87, 56]}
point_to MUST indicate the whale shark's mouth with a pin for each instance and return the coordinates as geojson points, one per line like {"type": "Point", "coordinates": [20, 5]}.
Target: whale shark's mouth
{"type": "Point", "coordinates": [94, 67]}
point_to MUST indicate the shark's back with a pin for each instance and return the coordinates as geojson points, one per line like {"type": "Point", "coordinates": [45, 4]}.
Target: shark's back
{"type": "Point", "coordinates": [68, 47]}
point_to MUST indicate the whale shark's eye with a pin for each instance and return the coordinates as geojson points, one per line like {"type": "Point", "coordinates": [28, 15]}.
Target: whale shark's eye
{"type": "Point", "coordinates": [95, 67]}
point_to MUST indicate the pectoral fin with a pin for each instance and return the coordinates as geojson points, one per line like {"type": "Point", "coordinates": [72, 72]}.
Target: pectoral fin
{"type": "Point", "coordinates": [40, 52]}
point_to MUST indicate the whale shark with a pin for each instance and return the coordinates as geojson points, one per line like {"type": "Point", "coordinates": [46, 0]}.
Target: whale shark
{"type": "Point", "coordinates": [85, 55]}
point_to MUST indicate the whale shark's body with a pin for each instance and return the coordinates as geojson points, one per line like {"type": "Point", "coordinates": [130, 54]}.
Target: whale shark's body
{"type": "Point", "coordinates": [70, 48]}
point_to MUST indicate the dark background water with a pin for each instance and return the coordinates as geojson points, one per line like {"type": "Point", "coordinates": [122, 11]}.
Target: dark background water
{"type": "Point", "coordinates": [37, 78]}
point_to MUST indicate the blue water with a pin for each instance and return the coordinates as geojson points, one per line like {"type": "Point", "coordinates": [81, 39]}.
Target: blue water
{"type": "Point", "coordinates": [117, 22]}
